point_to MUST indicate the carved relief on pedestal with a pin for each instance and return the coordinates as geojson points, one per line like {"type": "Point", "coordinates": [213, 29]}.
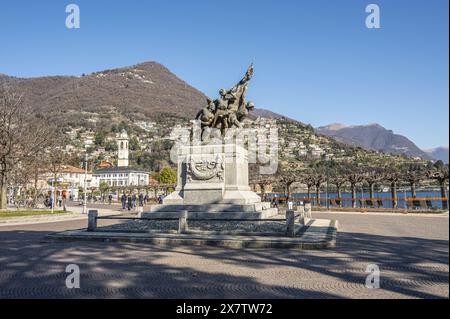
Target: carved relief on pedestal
{"type": "Point", "coordinates": [201, 169]}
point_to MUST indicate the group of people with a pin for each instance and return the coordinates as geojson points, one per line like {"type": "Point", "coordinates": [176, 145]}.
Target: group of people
{"type": "Point", "coordinates": [60, 202]}
{"type": "Point", "coordinates": [131, 201]}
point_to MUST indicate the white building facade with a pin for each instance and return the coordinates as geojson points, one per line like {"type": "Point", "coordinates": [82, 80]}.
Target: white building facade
{"type": "Point", "coordinates": [122, 175]}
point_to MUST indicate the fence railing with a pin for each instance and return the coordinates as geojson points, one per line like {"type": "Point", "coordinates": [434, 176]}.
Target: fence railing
{"type": "Point", "coordinates": [374, 202]}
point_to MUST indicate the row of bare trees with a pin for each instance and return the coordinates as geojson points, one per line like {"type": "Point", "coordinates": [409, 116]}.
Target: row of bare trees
{"type": "Point", "coordinates": [344, 175]}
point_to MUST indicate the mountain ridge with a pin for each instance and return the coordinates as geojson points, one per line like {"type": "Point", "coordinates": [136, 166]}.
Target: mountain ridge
{"type": "Point", "coordinates": [149, 88]}
{"type": "Point", "coordinates": [439, 153]}
{"type": "Point", "coordinates": [373, 136]}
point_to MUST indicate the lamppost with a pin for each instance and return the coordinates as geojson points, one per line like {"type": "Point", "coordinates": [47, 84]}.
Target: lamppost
{"type": "Point", "coordinates": [53, 194]}
{"type": "Point", "coordinates": [327, 166]}
{"type": "Point", "coordinates": [84, 184]}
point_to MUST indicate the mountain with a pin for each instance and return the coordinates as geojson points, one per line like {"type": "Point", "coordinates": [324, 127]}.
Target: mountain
{"type": "Point", "coordinates": [146, 91]}
{"type": "Point", "coordinates": [373, 137]}
{"type": "Point", "coordinates": [438, 153]}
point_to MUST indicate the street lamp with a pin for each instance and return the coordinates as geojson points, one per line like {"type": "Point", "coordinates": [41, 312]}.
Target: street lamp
{"type": "Point", "coordinates": [327, 161]}
{"type": "Point", "coordinates": [53, 194]}
{"type": "Point", "coordinates": [85, 181]}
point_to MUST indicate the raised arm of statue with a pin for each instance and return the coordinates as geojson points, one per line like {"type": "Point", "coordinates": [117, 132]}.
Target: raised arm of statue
{"type": "Point", "coordinates": [248, 75]}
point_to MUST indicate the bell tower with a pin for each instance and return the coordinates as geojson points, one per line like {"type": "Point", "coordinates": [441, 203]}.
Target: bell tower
{"type": "Point", "coordinates": [122, 143]}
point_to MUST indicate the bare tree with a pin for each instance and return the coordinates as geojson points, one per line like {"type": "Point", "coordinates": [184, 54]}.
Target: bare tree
{"type": "Point", "coordinates": [22, 135]}
{"type": "Point", "coordinates": [339, 181]}
{"type": "Point", "coordinates": [319, 179]}
{"type": "Point", "coordinates": [309, 181]}
{"type": "Point", "coordinates": [264, 182]}
{"type": "Point", "coordinates": [286, 181]}
{"type": "Point", "coordinates": [372, 175]}
{"type": "Point", "coordinates": [440, 173]}
{"type": "Point", "coordinates": [354, 178]}
{"type": "Point", "coordinates": [286, 177]}
{"type": "Point", "coordinates": [414, 174]}
{"type": "Point", "coordinates": [393, 176]}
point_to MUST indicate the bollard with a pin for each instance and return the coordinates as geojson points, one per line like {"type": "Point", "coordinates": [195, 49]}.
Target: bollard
{"type": "Point", "coordinates": [290, 223]}
{"type": "Point", "coordinates": [92, 220]}
{"type": "Point", "coordinates": [301, 211]}
{"type": "Point", "coordinates": [308, 210]}
{"type": "Point", "coordinates": [182, 223]}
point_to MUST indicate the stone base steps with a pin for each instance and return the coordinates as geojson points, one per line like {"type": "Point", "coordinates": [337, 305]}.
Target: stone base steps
{"type": "Point", "coordinates": [264, 214]}
{"type": "Point", "coordinates": [317, 234]}
{"type": "Point", "coordinates": [257, 207]}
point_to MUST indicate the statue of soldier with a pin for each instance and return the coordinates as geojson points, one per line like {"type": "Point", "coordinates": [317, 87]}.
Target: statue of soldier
{"type": "Point", "coordinates": [206, 115]}
{"type": "Point", "coordinates": [236, 118]}
{"type": "Point", "coordinates": [222, 111]}
{"type": "Point", "coordinates": [230, 109]}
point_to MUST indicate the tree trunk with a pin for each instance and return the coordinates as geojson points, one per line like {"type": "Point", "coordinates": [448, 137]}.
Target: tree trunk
{"type": "Point", "coordinates": [36, 179]}
{"type": "Point", "coordinates": [371, 193]}
{"type": "Point", "coordinates": [3, 191]}
{"type": "Point", "coordinates": [339, 195]}
{"type": "Point", "coordinates": [413, 190]}
{"type": "Point", "coordinates": [353, 187]}
{"type": "Point", "coordinates": [288, 192]}
{"type": "Point", "coordinates": [318, 195]}
{"type": "Point", "coordinates": [394, 194]}
{"type": "Point", "coordinates": [443, 195]}
{"type": "Point", "coordinates": [309, 192]}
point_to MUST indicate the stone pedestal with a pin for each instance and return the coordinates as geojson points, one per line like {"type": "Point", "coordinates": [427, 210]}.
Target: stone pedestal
{"type": "Point", "coordinates": [214, 179]}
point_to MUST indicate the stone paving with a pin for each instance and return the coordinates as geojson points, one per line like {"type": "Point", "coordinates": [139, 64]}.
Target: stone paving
{"type": "Point", "coordinates": [412, 253]}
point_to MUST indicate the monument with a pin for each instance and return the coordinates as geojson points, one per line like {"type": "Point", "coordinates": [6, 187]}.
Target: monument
{"type": "Point", "coordinates": [212, 177]}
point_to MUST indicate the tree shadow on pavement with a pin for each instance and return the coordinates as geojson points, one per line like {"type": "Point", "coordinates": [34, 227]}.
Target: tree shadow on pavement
{"type": "Point", "coordinates": [34, 267]}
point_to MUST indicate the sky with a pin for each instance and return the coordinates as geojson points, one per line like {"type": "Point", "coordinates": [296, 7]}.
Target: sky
{"type": "Point", "coordinates": [315, 61]}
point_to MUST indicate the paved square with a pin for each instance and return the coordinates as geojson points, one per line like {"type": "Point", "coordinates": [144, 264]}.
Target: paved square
{"type": "Point", "coordinates": [412, 253]}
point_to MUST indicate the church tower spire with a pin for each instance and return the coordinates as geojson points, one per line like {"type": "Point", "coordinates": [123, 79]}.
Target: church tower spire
{"type": "Point", "coordinates": [122, 143]}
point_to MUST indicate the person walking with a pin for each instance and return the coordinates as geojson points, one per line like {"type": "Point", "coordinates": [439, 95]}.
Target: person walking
{"type": "Point", "coordinates": [134, 200]}
{"type": "Point", "coordinates": [50, 202]}
{"type": "Point", "coordinates": [59, 200]}
{"type": "Point", "coordinates": [130, 202]}
{"type": "Point", "coordinates": [275, 201]}
{"type": "Point", "coordinates": [124, 200]}
{"type": "Point", "coordinates": [141, 200]}
{"type": "Point", "coordinates": [110, 199]}
{"type": "Point", "coordinates": [64, 201]}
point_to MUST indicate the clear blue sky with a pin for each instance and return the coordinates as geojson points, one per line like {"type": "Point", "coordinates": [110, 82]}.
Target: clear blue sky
{"type": "Point", "coordinates": [315, 61]}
